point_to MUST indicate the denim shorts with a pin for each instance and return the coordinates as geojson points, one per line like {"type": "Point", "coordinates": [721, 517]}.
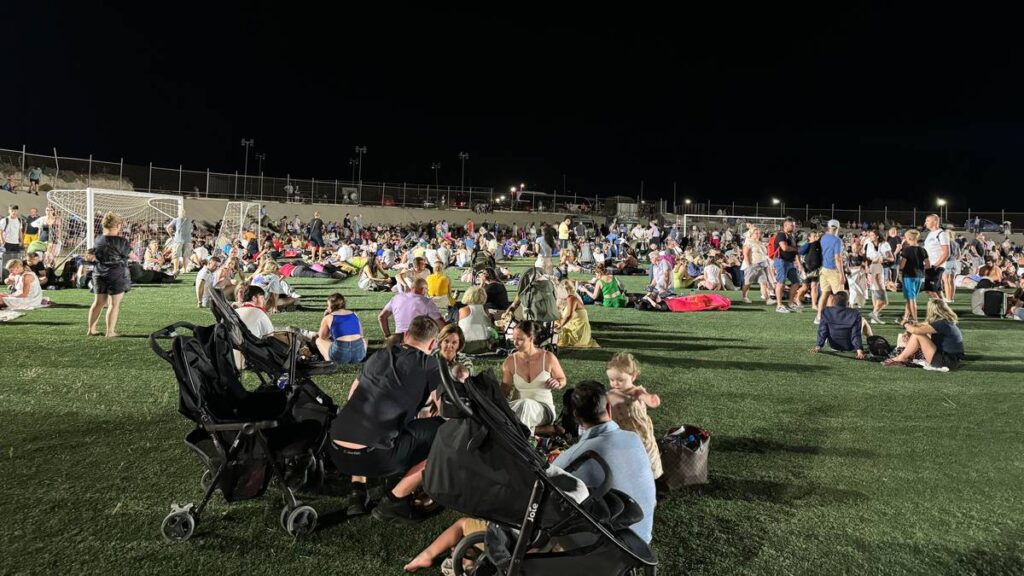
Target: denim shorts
{"type": "Point", "coordinates": [786, 270]}
{"type": "Point", "coordinates": [911, 287]}
{"type": "Point", "coordinates": [348, 352]}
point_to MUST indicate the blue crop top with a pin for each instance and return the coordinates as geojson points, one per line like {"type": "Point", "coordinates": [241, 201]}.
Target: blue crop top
{"type": "Point", "coordinates": [345, 325]}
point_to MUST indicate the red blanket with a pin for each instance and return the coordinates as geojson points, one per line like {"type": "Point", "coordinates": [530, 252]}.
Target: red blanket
{"type": "Point", "coordinates": [698, 303]}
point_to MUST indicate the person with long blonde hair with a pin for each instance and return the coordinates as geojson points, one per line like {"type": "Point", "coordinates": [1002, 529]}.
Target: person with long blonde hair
{"type": "Point", "coordinates": [939, 339]}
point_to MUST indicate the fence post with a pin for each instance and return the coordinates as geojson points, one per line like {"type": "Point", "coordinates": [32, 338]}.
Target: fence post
{"type": "Point", "coordinates": [23, 152]}
{"type": "Point", "coordinates": [88, 179]}
{"type": "Point", "coordinates": [859, 219]}
{"type": "Point", "coordinates": [180, 170]}
{"type": "Point", "coordinates": [1002, 215]}
{"type": "Point", "coordinates": [261, 186]}
{"type": "Point", "coordinates": [235, 193]}
{"type": "Point", "coordinates": [149, 187]}
{"type": "Point", "coordinates": [335, 190]}
{"type": "Point", "coordinates": [757, 208]}
{"type": "Point", "coordinates": [404, 192]}
{"type": "Point", "coordinates": [969, 215]}
{"type": "Point", "coordinates": [207, 182]}
{"type": "Point", "coordinates": [913, 219]}
{"type": "Point", "coordinates": [885, 215]}
{"type": "Point", "coordinates": [833, 216]}
{"type": "Point", "coordinates": [120, 174]}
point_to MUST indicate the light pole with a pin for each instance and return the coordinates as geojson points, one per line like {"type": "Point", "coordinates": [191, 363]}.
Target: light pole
{"type": "Point", "coordinates": [360, 150]}
{"type": "Point", "coordinates": [260, 156]}
{"type": "Point", "coordinates": [245, 173]}
{"type": "Point", "coordinates": [777, 202]}
{"type": "Point", "coordinates": [353, 163]}
{"type": "Point", "coordinates": [463, 156]}
{"type": "Point", "coordinates": [435, 167]}
{"type": "Point", "coordinates": [942, 203]}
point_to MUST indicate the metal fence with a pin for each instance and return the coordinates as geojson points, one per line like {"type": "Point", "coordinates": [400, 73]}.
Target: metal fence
{"type": "Point", "coordinates": [873, 216]}
{"type": "Point", "coordinates": [67, 172]}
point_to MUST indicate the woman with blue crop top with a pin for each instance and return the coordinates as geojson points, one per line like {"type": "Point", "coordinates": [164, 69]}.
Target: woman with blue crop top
{"type": "Point", "coordinates": [341, 338]}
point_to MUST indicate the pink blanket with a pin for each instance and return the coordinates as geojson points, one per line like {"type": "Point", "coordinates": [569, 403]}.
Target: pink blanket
{"type": "Point", "coordinates": [698, 303]}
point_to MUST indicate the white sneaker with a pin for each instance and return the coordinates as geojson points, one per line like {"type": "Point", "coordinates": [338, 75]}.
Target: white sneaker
{"type": "Point", "coordinates": [949, 301]}
{"type": "Point", "coordinates": [817, 321]}
{"type": "Point", "coordinates": [747, 301]}
{"type": "Point", "coordinates": [875, 319]}
{"type": "Point", "coordinates": [920, 362]}
{"type": "Point", "coordinates": [796, 307]}
{"type": "Point", "coordinates": [931, 368]}
{"type": "Point", "coordinates": [782, 310]}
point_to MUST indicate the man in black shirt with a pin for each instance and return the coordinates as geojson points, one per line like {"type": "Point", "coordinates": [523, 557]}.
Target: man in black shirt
{"type": "Point", "coordinates": [377, 432]}
{"type": "Point", "coordinates": [787, 267]}
{"type": "Point", "coordinates": [895, 242]}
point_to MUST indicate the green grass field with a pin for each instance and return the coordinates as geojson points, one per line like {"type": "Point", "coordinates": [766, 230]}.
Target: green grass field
{"type": "Point", "coordinates": [819, 464]}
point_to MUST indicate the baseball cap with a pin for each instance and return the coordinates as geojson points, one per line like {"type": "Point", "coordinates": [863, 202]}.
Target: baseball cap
{"type": "Point", "coordinates": [833, 224]}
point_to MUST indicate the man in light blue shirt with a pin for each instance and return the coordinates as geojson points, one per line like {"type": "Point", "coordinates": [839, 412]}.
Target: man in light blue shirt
{"type": "Point", "coordinates": [628, 464]}
{"type": "Point", "coordinates": [831, 279]}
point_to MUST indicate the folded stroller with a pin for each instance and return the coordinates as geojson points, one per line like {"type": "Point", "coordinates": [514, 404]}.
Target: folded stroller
{"type": "Point", "coordinates": [482, 465]}
{"type": "Point", "coordinates": [245, 439]}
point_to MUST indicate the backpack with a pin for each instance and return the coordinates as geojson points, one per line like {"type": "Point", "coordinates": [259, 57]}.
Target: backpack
{"type": "Point", "coordinates": [879, 346]}
{"type": "Point", "coordinates": [773, 247]}
{"type": "Point", "coordinates": [990, 303]}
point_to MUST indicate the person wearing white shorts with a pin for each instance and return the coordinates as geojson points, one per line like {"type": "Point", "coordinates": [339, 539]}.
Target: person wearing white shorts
{"type": "Point", "coordinates": [875, 250]}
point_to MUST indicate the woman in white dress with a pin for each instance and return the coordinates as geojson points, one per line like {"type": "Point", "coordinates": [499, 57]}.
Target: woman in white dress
{"type": "Point", "coordinates": [532, 373]}
{"type": "Point", "coordinates": [26, 293]}
{"type": "Point", "coordinates": [474, 321]}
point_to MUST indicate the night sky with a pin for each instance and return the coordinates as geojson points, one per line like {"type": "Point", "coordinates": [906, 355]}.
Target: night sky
{"type": "Point", "coordinates": [824, 104]}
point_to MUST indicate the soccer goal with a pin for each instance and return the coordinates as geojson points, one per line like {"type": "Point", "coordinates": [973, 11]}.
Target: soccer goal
{"type": "Point", "coordinates": [79, 213]}
{"type": "Point", "coordinates": [239, 218]}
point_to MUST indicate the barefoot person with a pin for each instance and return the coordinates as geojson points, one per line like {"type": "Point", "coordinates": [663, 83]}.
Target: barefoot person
{"type": "Point", "coordinates": [110, 277]}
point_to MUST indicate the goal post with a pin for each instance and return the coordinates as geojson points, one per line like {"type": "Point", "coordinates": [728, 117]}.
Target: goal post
{"type": "Point", "coordinates": [239, 218]}
{"type": "Point", "coordinates": [78, 214]}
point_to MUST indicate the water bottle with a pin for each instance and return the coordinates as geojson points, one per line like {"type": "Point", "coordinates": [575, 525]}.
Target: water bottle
{"type": "Point", "coordinates": [282, 381]}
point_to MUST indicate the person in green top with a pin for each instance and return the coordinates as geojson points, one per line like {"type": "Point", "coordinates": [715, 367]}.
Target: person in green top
{"type": "Point", "coordinates": [34, 175]}
{"type": "Point", "coordinates": [612, 295]}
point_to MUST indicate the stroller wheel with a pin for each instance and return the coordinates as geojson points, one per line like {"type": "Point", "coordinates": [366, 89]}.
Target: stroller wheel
{"type": "Point", "coordinates": [470, 550]}
{"type": "Point", "coordinates": [301, 521]}
{"type": "Point", "coordinates": [179, 525]}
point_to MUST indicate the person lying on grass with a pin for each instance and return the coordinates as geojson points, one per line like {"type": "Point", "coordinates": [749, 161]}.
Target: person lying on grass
{"type": "Point", "coordinates": [939, 339]}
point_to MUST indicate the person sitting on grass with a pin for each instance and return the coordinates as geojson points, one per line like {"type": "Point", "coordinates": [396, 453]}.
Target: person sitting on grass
{"type": "Point", "coordinates": [228, 278]}
{"type": "Point", "coordinates": [405, 307]}
{"type": "Point", "coordinates": [574, 325]}
{"type": "Point", "coordinates": [205, 280]}
{"type": "Point", "coordinates": [439, 288]}
{"type": "Point", "coordinates": [532, 373]}
{"type": "Point", "coordinates": [340, 338]}
{"type": "Point", "coordinates": [372, 277]}
{"type": "Point", "coordinates": [939, 339]}
{"type": "Point", "coordinates": [475, 322]}
{"type": "Point", "coordinates": [25, 291]}
{"type": "Point", "coordinates": [377, 433]}
{"type": "Point", "coordinates": [629, 466]}
{"type": "Point", "coordinates": [279, 295]}
{"type": "Point", "coordinates": [842, 327]}
{"type": "Point", "coordinates": [612, 294]}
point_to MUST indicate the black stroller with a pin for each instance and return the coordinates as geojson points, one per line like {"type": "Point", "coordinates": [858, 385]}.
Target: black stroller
{"type": "Point", "coordinates": [245, 439]}
{"type": "Point", "coordinates": [482, 465]}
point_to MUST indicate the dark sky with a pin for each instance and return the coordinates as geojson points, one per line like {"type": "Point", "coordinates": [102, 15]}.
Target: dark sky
{"type": "Point", "coordinates": [826, 104]}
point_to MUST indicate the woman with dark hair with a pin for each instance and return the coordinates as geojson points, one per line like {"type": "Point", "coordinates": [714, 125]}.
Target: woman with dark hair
{"type": "Point", "coordinates": [110, 277]}
{"type": "Point", "coordinates": [373, 278]}
{"type": "Point", "coordinates": [612, 295]}
{"type": "Point", "coordinates": [545, 248]}
{"type": "Point", "coordinates": [531, 373]}
{"type": "Point", "coordinates": [341, 339]}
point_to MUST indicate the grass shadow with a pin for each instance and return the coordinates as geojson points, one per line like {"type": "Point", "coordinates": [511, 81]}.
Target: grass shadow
{"type": "Point", "coordinates": [758, 445]}
{"type": "Point", "coordinates": [783, 493]}
{"type": "Point", "coordinates": [33, 323]}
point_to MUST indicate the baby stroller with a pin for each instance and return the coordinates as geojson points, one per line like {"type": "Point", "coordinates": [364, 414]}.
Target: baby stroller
{"type": "Point", "coordinates": [245, 439]}
{"type": "Point", "coordinates": [482, 465]}
{"type": "Point", "coordinates": [537, 301]}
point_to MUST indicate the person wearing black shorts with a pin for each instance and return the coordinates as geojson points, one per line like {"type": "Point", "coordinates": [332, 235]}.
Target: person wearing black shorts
{"type": "Point", "coordinates": [316, 236]}
{"type": "Point", "coordinates": [377, 433]}
{"type": "Point", "coordinates": [110, 276]}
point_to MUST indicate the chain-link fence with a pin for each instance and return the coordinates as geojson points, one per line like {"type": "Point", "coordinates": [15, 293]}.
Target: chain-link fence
{"type": "Point", "coordinates": [857, 218]}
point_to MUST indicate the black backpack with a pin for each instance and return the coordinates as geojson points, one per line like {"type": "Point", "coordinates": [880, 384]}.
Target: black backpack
{"type": "Point", "coordinates": [879, 346]}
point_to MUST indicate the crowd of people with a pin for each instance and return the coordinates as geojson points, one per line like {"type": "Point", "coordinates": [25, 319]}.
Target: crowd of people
{"type": "Point", "coordinates": [387, 426]}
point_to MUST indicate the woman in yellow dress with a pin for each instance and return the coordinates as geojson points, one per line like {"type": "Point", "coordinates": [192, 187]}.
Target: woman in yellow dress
{"type": "Point", "coordinates": [574, 325]}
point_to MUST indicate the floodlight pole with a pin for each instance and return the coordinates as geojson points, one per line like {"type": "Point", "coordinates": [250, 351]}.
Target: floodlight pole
{"type": "Point", "coordinates": [361, 150]}
{"type": "Point", "coordinates": [246, 143]}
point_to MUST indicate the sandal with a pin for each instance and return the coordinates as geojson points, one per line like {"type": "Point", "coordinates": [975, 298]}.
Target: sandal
{"type": "Point", "coordinates": [894, 363]}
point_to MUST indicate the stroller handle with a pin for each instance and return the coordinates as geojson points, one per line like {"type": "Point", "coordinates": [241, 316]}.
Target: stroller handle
{"type": "Point", "coordinates": [164, 334]}
{"type": "Point", "coordinates": [449, 391]}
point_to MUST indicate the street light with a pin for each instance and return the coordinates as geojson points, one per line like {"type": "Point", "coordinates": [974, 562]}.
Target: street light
{"type": "Point", "coordinates": [513, 190]}
{"type": "Point", "coordinates": [245, 173]}
{"type": "Point", "coordinates": [777, 202]}
{"type": "Point", "coordinates": [463, 156]}
{"type": "Point", "coordinates": [360, 150]}
{"type": "Point", "coordinates": [435, 167]}
{"type": "Point", "coordinates": [942, 202]}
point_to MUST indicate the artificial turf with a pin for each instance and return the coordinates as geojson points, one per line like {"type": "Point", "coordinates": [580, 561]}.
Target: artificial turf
{"type": "Point", "coordinates": [820, 464]}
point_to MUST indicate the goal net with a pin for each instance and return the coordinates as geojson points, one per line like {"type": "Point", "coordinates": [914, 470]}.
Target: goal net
{"type": "Point", "coordinates": [239, 218]}
{"type": "Point", "coordinates": [701, 228]}
{"type": "Point", "coordinates": [78, 214]}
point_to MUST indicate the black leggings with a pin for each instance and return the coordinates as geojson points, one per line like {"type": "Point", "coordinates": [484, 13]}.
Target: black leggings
{"type": "Point", "coordinates": [409, 448]}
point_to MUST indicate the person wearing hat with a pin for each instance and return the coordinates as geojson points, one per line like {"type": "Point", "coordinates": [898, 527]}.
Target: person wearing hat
{"type": "Point", "coordinates": [831, 279]}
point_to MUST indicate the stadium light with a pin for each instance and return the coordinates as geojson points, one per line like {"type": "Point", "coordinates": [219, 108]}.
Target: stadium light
{"type": "Point", "coordinates": [513, 189]}
{"type": "Point", "coordinates": [775, 201]}
{"type": "Point", "coordinates": [247, 144]}
{"type": "Point", "coordinates": [942, 203]}
{"type": "Point", "coordinates": [463, 156]}
{"type": "Point", "coordinates": [360, 150]}
{"type": "Point", "coordinates": [687, 201]}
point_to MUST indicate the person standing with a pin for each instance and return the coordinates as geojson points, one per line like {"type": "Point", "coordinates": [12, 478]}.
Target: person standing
{"type": "Point", "coordinates": [831, 278]}
{"type": "Point", "coordinates": [110, 277]}
{"type": "Point", "coordinates": [12, 232]}
{"type": "Point", "coordinates": [786, 267]}
{"type": "Point", "coordinates": [952, 267]}
{"type": "Point", "coordinates": [563, 233]}
{"type": "Point", "coordinates": [35, 174]}
{"type": "Point", "coordinates": [877, 254]}
{"type": "Point", "coordinates": [937, 246]}
{"type": "Point", "coordinates": [316, 236]}
{"type": "Point", "coordinates": [895, 242]}
{"type": "Point", "coordinates": [913, 262]}
{"type": "Point", "coordinates": [180, 231]}
{"type": "Point", "coordinates": [31, 228]}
